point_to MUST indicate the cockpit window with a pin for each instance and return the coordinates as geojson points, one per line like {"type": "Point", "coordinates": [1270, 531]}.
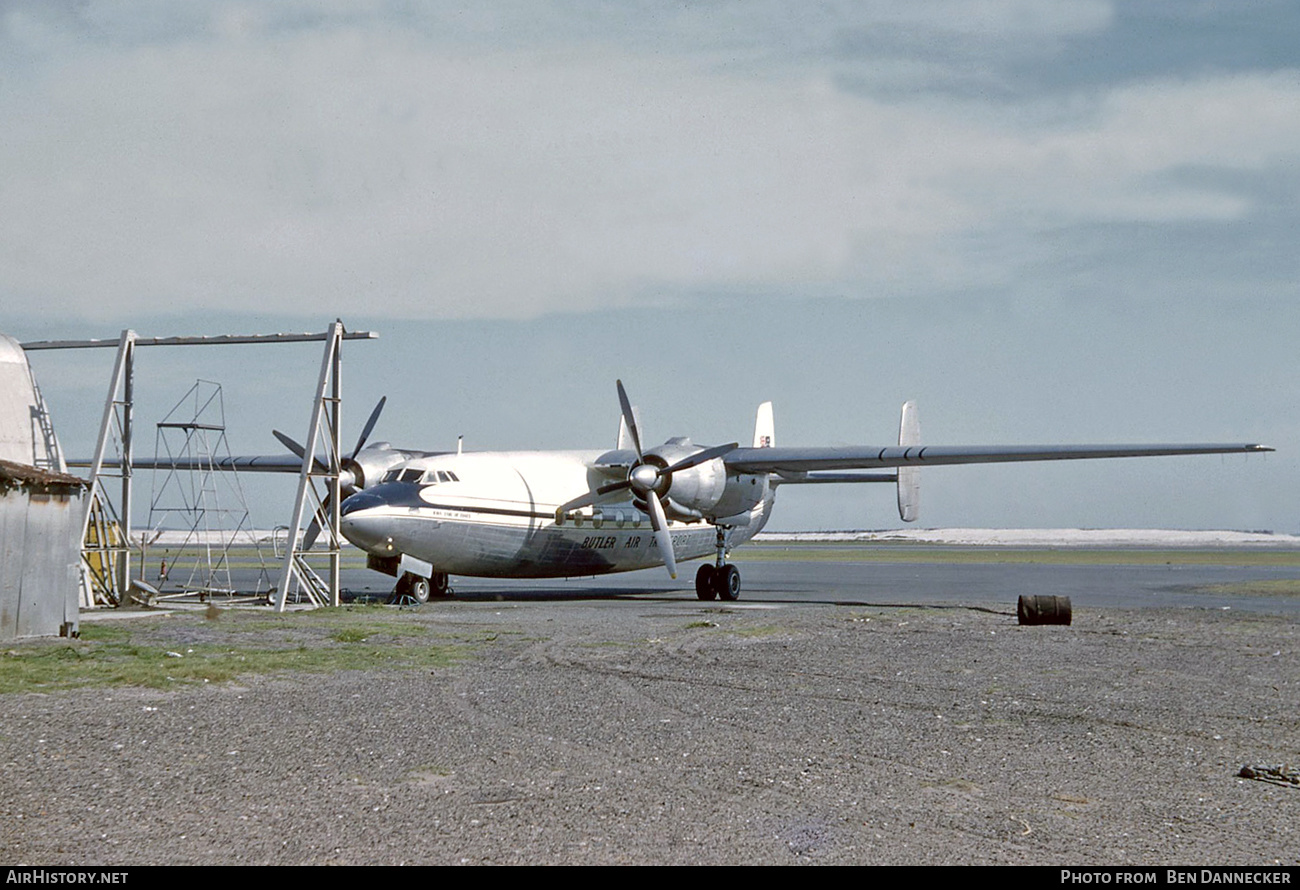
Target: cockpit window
{"type": "Point", "coordinates": [420, 477]}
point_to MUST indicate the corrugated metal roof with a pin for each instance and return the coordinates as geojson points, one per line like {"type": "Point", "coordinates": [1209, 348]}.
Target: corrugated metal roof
{"type": "Point", "coordinates": [20, 475]}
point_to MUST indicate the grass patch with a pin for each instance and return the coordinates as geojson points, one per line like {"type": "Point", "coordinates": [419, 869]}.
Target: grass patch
{"type": "Point", "coordinates": [349, 635]}
{"type": "Point", "coordinates": [1274, 587]}
{"type": "Point", "coordinates": [187, 649]}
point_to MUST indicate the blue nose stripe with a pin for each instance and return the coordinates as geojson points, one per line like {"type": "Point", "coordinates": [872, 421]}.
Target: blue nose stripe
{"type": "Point", "coordinates": [362, 500]}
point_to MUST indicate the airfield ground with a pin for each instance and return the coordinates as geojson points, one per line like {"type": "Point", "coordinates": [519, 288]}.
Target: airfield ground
{"type": "Point", "coordinates": [656, 729]}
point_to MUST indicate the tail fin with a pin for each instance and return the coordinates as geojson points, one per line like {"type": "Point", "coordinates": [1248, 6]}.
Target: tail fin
{"type": "Point", "coordinates": [764, 427]}
{"type": "Point", "coordinates": [909, 478]}
{"type": "Point", "coordinates": [625, 437]}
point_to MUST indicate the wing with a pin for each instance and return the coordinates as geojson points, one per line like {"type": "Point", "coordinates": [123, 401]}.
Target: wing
{"type": "Point", "coordinates": [792, 462]}
{"type": "Point", "coordinates": [257, 463]}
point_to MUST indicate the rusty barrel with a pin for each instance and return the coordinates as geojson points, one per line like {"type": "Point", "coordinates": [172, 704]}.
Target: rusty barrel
{"type": "Point", "coordinates": [1044, 610]}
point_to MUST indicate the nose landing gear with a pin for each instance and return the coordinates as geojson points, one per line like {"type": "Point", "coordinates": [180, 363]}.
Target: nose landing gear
{"type": "Point", "coordinates": [720, 580]}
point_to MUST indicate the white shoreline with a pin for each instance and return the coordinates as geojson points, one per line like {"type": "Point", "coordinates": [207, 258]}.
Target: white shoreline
{"type": "Point", "coordinates": [1044, 537]}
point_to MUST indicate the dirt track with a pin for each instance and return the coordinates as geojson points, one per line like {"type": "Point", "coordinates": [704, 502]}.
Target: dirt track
{"type": "Point", "coordinates": [633, 732]}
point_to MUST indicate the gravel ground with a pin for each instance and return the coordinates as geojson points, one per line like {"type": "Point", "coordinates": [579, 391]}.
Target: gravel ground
{"type": "Point", "coordinates": [662, 731]}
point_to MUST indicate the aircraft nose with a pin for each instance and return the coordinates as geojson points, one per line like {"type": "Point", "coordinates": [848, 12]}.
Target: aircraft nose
{"type": "Point", "coordinates": [360, 523]}
{"type": "Point", "coordinates": [362, 500]}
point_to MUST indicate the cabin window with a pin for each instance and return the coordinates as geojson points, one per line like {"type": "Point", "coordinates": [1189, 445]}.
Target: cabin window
{"type": "Point", "coordinates": [391, 476]}
{"type": "Point", "coordinates": [412, 475]}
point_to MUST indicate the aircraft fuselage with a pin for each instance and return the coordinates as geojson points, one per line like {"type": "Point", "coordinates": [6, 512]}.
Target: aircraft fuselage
{"type": "Point", "coordinates": [493, 514]}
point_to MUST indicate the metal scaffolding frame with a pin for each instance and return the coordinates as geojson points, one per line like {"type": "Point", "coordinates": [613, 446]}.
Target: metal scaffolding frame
{"type": "Point", "coordinates": [112, 552]}
{"type": "Point", "coordinates": [106, 555]}
{"type": "Point", "coordinates": [324, 431]}
{"type": "Point", "coordinates": [189, 484]}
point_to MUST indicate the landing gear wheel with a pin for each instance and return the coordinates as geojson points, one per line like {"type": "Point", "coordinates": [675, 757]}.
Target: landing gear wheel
{"type": "Point", "coordinates": [440, 584]}
{"type": "Point", "coordinates": [415, 587]}
{"type": "Point", "coordinates": [419, 589]}
{"type": "Point", "coordinates": [727, 579]}
{"type": "Point", "coordinates": [706, 587]}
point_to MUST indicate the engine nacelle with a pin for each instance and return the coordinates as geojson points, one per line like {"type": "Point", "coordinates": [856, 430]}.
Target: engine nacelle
{"type": "Point", "coordinates": [691, 493]}
{"type": "Point", "coordinates": [742, 493]}
{"type": "Point", "coordinates": [704, 491]}
{"type": "Point", "coordinates": [369, 465]}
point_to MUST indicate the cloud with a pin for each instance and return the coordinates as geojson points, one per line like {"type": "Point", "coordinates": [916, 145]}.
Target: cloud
{"type": "Point", "coordinates": [290, 161]}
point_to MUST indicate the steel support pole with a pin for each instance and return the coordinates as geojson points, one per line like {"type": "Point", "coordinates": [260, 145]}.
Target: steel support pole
{"type": "Point", "coordinates": [336, 469]}
{"type": "Point", "coordinates": [128, 414]}
{"type": "Point", "coordinates": [121, 374]}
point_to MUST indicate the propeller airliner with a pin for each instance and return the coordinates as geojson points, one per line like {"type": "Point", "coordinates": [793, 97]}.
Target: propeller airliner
{"type": "Point", "coordinates": [422, 516]}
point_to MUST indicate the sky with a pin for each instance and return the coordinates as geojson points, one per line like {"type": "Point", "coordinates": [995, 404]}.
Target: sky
{"type": "Point", "coordinates": [1066, 221]}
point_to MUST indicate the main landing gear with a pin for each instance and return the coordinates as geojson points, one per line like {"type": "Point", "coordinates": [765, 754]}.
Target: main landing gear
{"type": "Point", "coordinates": [719, 580]}
{"type": "Point", "coordinates": [421, 589]}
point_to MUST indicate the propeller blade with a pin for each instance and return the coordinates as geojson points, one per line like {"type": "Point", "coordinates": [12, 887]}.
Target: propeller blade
{"type": "Point", "coordinates": [299, 450]}
{"type": "Point", "coordinates": [591, 496]}
{"type": "Point", "coordinates": [660, 523]}
{"type": "Point", "coordinates": [628, 417]}
{"type": "Point", "coordinates": [369, 427]}
{"type": "Point", "coordinates": [700, 457]}
{"type": "Point", "coordinates": [317, 520]}
{"type": "Point", "coordinates": [313, 532]}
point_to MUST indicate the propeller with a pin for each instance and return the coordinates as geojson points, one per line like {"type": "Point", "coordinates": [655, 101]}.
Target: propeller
{"type": "Point", "coordinates": [348, 475]}
{"type": "Point", "coordinates": [647, 480]}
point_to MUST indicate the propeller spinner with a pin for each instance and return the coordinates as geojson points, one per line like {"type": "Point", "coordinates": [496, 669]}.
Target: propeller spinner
{"type": "Point", "coordinates": [648, 480]}
{"type": "Point", "coordinates": [351, 475]}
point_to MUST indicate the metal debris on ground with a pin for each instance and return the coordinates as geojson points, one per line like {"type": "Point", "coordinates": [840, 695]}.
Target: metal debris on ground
{"type": "Point", "coordinates": [1278, 775]}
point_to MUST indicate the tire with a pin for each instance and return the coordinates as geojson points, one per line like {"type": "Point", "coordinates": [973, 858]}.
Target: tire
{"type": "Point", "coordinates": [728, 583]}
{"type": "Point", "coordinates": [440, 584]}
{"type": "Point", "coordinates": [706, 587]}
{"type": "Point", "coordinates": [419, 589]}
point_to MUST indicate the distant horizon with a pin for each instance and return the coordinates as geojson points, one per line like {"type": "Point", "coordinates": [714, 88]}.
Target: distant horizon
{"type": "Point", "coordinates": [1047, 536]}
